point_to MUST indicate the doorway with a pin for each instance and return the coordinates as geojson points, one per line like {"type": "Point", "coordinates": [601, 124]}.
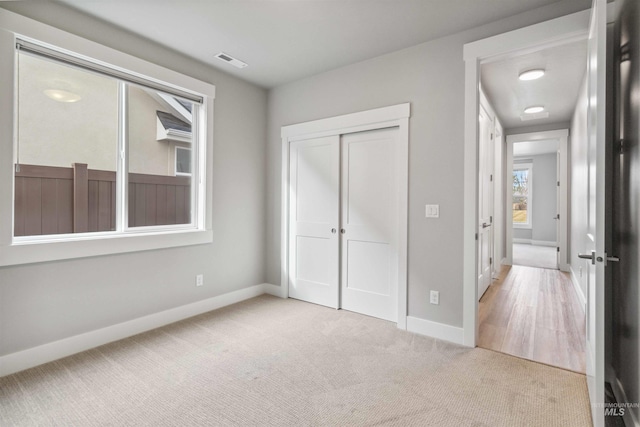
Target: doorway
{"type": "Point", "coordinates": [532, 310]}
{"type": "Point", "coordinates": [538, 195]}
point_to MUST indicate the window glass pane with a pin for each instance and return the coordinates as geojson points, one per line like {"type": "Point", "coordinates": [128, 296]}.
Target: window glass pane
{"type": "Point", "coordinates": [66, 149]}
{"type": "Point", "coordinates": [520, 196]}
{"type": "Point", "coordinates": [159, 187]}
{"type": "Point", "coordinates": [183, 161]}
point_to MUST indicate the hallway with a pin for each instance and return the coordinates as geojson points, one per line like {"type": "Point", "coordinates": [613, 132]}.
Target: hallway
{"type": "Point", "coordinates": [535, 314]}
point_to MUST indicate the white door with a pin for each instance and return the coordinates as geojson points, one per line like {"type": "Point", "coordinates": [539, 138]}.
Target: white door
{"type": "Point", "coordinates": [369, 230]}
{"type": "Point", "coordinates": [485, 203]}
{"type": "Point", "coordinates": [314, 220]}
{"type": "Point", "coordinates": [558, 202]}
{"type": "Point", "coordinates": [595, 238]}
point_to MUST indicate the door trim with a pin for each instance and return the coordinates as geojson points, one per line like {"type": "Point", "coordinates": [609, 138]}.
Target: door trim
{"type": "Point", "coordinates": [562, 136]}
{"type": "Point", "coordinates": [554, 32]}
{"type": "Point", "coordinates": [379, 118]}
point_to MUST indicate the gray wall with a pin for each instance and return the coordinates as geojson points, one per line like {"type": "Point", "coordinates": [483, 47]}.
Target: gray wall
{"type": "Point", "coordinates": [41, 303]}
{"type": "Point", "coordinates": [543, 199]}
{"type": "Point", "coordinates": [431, 77]}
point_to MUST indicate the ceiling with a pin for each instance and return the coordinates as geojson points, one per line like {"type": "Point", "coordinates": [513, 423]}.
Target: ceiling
{"type": "Point", "coordinates": [285, 40]}
{"type": "Point", "coordinates": [534, 148]}
{"type": "Point", "coordinates": [557, 90]}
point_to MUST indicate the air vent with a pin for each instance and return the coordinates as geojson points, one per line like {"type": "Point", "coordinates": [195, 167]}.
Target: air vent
{"type": "Point", "coordinates": [231, 60]}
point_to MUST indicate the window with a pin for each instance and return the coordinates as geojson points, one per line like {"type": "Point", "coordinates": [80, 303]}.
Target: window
{"type": "Point", "coordinates": [93, 168]}
{"type": "Point", "coordinates": [183, 161]}
{"type": "Point", "coordinates": [522, 179]}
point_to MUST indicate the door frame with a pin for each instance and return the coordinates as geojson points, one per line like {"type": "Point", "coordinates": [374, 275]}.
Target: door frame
{"type": "Point", "coordinates": [379, 118]}
{"type": "Point", "coordinates": [561, 136]}
{"type": "Point", "coordinates": [550, 33]}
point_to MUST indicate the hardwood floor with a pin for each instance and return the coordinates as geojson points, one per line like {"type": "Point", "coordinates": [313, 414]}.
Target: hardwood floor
{"type": "Point", "coordinates": [534, 313]}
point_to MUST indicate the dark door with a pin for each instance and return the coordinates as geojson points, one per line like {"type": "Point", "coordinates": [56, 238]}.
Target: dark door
{"type": "Point", "coordinates": [625, 221]}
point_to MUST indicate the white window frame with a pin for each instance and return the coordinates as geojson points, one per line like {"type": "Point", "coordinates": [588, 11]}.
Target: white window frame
{"type": "Point", "coordinates": [529, 168]}
{"type": "Point", "coordinates": [29, 249]}
{"type": "Point", "coordinates": [175, 161]}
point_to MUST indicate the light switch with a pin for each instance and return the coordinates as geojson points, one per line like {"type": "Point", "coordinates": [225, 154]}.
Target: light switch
{"type": "Point", "coordinates": [432, 211]}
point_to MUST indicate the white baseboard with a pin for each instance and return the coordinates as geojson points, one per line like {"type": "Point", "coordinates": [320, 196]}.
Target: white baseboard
{"type": "Point", "coordinates": [525, 241]}
{"type": "Point", "coordinates": [435, 330]}
{"type": "Point", "coordinates": [629, 417]}
{"type": "Point", "coordinates": [544, 243]}
{"type": "Point", "coordinates": [274, 290]}
{"type": "Point", "coordinates": [49, 352]}
{"type": "Point", "coordinates": [536, 242]}
{"type": "Point", "coordinates": [576, 286]}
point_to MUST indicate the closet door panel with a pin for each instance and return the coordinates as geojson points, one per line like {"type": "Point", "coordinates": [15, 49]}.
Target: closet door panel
{"type": "Point", "coordinates": [369, 221]}
{"type": "Point", "coordinates": [314, 219]}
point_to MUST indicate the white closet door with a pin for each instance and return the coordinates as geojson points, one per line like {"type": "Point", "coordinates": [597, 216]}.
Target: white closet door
{"type": "Point", "coordinates": [314, 220]}
{"type": "Point", "coordinates": [369, 223]}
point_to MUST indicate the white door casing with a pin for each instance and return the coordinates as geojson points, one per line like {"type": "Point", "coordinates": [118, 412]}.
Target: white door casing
{"type": "Point", "coordinates": [561, 135]}
{"type": "Point", "coordinates": [558, 31]}
{"type": "Point", "coordinates": [369, 223]}
{"type": "Point", "coordinates": [485, 201]}
{"type": "Point", "coordinates": [315, 190]}
{"type": "Point", "coordinates": [559, 158]}
{"type": "Point", "coordinates": [396, 116]}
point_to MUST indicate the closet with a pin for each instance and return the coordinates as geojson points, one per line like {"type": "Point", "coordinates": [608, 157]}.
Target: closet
{"type": "Point", "coordinates": [344, 221]}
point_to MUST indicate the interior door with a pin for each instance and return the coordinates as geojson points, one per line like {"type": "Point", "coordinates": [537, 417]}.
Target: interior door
{"type": "Point", "coordinates": [314, 176]}
{"type": "Point", "coordinates": [625, 275]}
{"type": "Point", "coordinates": [369, 223]}
{"type": "Point", "coordinates": [595, 238]}
{"type": "Point", "coordinates": [485, 202]}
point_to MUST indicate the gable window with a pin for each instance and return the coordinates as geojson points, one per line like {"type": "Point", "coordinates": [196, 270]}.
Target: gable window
{"type": "Point", "coordinates": [102, 153]}
{"type": "Point", "coordinates": [522, 179]}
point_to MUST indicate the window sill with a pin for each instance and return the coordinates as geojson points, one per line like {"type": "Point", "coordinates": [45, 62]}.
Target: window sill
{"type": "Point", "coordinates": [41, 250]}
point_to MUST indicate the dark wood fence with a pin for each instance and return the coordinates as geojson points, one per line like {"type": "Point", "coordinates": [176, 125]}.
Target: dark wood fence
{"type": "Point", "coordinates": [55, 200]}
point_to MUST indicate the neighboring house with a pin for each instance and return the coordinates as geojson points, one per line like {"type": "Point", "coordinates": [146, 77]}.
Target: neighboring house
{"type": "Point", "coordinates": [55, 130]}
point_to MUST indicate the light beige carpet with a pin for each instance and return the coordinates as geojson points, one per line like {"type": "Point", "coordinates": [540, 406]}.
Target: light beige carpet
{"type": "Point", "coordinates": [269, 361]}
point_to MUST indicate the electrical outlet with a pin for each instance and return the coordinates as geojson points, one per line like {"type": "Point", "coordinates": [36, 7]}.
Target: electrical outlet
{"type": "Point", "coordinates": [199, 279]}
{"type": "Point", "coordinates": [434, 297]}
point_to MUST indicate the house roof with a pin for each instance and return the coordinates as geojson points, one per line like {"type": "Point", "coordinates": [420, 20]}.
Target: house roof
{"type": "Point", "coordinates": [169, 121]}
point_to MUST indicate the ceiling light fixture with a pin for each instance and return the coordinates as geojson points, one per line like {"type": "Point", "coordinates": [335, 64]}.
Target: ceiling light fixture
{"type": "Point", "coordinates": [62, 95]}
{"type": "Point", "coordinates": [534, 109]}
{"type": "Point", "coordinates": [531, 74]}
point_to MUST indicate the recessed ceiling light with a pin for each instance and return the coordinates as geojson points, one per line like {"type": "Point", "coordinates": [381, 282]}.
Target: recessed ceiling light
{"type": "Point", "coordinates": [534, 110]}
{"type": "Point", "coordinates": [531, 74]}
{"type": "Point", "coordinates": [62, 95]}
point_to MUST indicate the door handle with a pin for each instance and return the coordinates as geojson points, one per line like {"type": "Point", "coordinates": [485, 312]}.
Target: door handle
{"type": "Point", "coordinates": [591, 256]}
{"type": "Point", "coordinates": [333, 231]}
{"type": "Point", "coordinates": [342, 231]}
{"type": "Point", "coordinates": [605, 259]}
{"type": "Point", "coordinates": [485, 225]}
